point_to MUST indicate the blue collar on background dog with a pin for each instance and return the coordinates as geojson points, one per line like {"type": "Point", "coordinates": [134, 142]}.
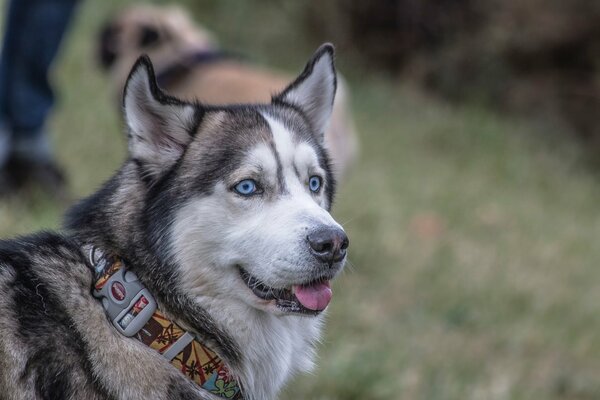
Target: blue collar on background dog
{"type": "Point", "coordinates": [178, 69]}
{"type": "Point", "coordinates": [134, 313]}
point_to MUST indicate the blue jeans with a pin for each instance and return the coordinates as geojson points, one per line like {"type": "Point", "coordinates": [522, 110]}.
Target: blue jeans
{"type": "Point", "coordinates": [34, 29]}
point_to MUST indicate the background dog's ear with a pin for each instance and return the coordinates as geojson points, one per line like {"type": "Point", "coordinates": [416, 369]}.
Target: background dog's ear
{"type": "Point", "coordinates": [313, 91]}
{"type": "Point", "coordinates": [159, 126]}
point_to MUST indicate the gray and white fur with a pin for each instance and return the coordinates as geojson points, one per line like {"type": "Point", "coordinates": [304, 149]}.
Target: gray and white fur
{"type": "Point", "coordinates": [222, 264]}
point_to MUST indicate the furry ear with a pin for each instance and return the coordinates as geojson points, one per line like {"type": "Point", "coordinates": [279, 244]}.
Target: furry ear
{"type": "Point", "coordinates": [159, 126]}
{"type": "Point", "coordinates": [313, 91]}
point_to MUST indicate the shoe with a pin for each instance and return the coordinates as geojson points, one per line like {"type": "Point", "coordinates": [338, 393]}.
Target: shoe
{"type": "Point", "coordinates": [6, 184]}
{"type": "Point", "coordinates": [44, 174]}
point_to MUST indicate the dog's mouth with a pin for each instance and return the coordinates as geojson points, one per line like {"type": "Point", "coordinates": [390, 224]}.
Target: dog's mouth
{"type": "Point", "coordinates": [308, 298]}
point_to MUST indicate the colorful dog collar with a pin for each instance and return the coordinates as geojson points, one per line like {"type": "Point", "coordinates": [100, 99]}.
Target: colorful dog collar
{"type": "Point", "coordinates": [133, 311]}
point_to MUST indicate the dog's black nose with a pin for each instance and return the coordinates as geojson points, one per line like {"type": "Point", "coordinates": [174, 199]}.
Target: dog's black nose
{"type": "Point", "coordinates": [328, 244]}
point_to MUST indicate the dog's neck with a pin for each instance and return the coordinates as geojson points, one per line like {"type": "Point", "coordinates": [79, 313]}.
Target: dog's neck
{"type": "Point", "coordinates": [134, 313]}
{"type": "Point", "coordinates": [108, 218]}
{"type": "Point", "coordinates": [262, 350]}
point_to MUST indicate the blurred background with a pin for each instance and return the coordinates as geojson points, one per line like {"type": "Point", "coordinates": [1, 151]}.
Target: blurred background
{"type": "Point", "coordinates": [473, 210]}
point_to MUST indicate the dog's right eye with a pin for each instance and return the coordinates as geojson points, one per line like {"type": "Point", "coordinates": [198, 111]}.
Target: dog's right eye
{"type": "Point", "coordinates": [246, 187]}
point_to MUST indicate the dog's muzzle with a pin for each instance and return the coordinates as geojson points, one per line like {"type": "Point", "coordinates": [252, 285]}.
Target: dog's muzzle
{"type": "Point", "coordinates": [329, 246]}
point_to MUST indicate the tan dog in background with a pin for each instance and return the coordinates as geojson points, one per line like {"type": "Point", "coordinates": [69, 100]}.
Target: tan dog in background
{"type": "Point", "coordinates": [190, 65]}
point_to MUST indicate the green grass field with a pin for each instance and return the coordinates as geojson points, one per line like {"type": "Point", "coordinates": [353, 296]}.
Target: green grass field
{"type": "Point", "coordinates": [475, 261]}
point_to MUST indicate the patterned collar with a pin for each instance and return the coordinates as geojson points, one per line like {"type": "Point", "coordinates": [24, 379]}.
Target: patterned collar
{"type": "Point", "coordinates": [134, 313]}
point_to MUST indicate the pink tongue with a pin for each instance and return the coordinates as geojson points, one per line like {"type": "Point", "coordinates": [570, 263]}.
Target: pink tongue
{"type": "Point", "coordinates": [314, 297]}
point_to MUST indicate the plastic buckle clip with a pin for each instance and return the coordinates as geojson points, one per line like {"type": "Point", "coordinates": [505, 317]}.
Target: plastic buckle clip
{"type": "Point", "coordinates": [127, 302]}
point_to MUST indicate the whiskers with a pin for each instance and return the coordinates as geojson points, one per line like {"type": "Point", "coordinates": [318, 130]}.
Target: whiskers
{"type": "Point", "coordinates": [350, 267]}
{"type": "Point", "coordinates": [345, 223]}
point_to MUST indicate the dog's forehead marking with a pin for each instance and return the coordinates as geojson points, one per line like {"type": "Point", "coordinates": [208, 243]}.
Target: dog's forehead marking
{"type": "Point", "coordinates": [305, 156]}
{"type": "Point", "coordinates": [263, 159]}
{"type": "Point", "coordinates": [296, 158]}
{"type": "Point", "coordinates": [282, 140]}
{"type": "Point", "coordinates": [291, 147]}
{"type": "Point", "coordinates": [283, 147]}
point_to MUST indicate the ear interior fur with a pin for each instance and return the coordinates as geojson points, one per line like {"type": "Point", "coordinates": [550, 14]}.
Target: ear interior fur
{"type": "Point", "coordinates": [313, 92]}
{"type": "Point", "coordinates": [160, 127]}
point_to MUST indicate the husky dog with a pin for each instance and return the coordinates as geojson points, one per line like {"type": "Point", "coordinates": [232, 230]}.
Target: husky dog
{"type": "Point", "coordinates": [190, 65]}
{"type": "Point", "coordinates": [222, 213]}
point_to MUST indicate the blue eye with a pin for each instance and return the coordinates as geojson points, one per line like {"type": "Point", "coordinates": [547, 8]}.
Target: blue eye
{"type": "Point", "coordinates": [314, 183]}
{"type": "Point", "coordinates": [246, 187]}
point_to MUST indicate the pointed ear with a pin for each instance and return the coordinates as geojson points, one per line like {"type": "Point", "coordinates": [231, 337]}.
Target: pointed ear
{"type": "Point", "coordinates": [159, 126]}
{"type": "Point", "coordinates": [313, 91]}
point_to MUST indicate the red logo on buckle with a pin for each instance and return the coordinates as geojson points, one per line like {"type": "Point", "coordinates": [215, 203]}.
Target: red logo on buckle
{"type": "Point", "coordinates": [118, 291]}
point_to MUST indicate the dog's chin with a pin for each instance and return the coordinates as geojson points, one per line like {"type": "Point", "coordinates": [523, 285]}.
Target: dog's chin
{"type": "Point", "coordinates": [309, 298]}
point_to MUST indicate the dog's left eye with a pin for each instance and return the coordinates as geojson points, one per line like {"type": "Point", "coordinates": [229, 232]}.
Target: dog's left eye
{"type": "Point", "coordinates": [314, 183]}
{"type": "Point", "coordinates": [246, 187]}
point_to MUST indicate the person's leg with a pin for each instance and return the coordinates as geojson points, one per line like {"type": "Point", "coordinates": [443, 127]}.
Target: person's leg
{"type": "Point", "coordinates": [34, 29]}
{"type": "Point", "coordinates": [14, 16]}
{"type": "Point", "coordinates": [42, 24]}
{"type": "Point", "coordinates": [13, 21]}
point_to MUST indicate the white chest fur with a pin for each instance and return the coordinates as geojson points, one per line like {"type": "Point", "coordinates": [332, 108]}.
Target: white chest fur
{"type": "Point", "coordinates": [274, 348]}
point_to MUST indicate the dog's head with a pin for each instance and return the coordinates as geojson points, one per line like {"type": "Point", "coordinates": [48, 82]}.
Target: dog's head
{"type": "Point", "coordinates": [146, 29]}
{"type": "Point", "coordinates": [239, 196]}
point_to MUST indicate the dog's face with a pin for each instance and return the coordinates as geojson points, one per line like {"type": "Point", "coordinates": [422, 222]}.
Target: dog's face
{"type": "Point", "coordinates": [240, 195]}
{"type": "Point", "coordinates": [146, 29]}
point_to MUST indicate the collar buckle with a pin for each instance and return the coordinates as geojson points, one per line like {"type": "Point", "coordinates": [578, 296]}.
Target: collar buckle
{"type": "Point", "coordinates": [128, 304]}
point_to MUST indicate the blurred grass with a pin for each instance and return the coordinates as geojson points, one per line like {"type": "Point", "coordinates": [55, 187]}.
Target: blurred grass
{"type": "Point", "coordinates": [474, 258]}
